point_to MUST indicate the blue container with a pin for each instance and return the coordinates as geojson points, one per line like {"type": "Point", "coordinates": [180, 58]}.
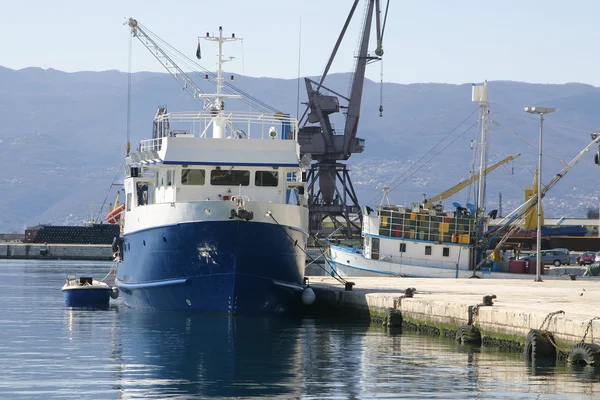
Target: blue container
{"type": "Point", "coordinates": [497, 267]}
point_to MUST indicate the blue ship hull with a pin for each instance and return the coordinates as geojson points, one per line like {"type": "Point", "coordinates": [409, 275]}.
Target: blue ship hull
{"type": "Point", "coordinates": [89, 296]}
{"type": "Point", "coordinates": [223, 267]}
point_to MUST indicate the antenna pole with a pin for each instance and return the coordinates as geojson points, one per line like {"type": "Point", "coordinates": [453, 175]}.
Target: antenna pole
{"type": "Point", "coordinates": [299, 55]}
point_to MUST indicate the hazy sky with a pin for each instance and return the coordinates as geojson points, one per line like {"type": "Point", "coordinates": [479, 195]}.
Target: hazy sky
{"type": "Point", "coordinates": [452, 41]}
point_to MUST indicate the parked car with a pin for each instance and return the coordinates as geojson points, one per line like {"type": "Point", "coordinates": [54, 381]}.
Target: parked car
{"type": "Point", "coordinates": [597, 258]}
{"type": "Point", "coordinates": [565, 251]}
{"type": "Point", "coordinates": [556, 257]}
{"type": "Point", "coordinates": [587, 258]}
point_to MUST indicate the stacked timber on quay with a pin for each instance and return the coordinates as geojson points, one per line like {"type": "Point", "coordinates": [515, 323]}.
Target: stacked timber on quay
{"type": "Point", "coordinates": [569, 309]}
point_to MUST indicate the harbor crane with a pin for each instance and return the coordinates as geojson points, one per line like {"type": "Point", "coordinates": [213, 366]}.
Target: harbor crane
{"type": "Point", "coordinates": [330, 189]}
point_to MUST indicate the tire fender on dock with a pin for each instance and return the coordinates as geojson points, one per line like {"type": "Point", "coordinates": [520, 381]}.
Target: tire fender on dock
{"type": "Point", "coordinates": [585, 354]}
{"type": "Point", "coordinates": [393, 318]}
{"type": "Point", "coordinates": [539, 344]}
{"type": "Point", "coordinates": [468, 334]}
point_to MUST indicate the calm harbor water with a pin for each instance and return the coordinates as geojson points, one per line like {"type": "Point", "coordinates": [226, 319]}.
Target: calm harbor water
{"type": "Point", "coordinates": [49, 351]}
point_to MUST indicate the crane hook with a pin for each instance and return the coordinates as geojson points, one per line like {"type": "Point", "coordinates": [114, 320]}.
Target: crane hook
{"type": "Point", "coordinates": [381, 110]}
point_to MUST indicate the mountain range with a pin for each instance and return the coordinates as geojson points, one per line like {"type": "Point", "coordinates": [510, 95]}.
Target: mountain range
{"type": "Point", "coordinates": [63, 135]}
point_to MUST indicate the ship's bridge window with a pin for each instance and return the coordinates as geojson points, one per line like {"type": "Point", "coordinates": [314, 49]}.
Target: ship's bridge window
{"type": "Point", "coordinates": [142, 193]}
{"type": "Point", "coordinates": [266, 178]}
{"type": "Point", "coordinates": [221, 177]}
{"type": "Point", "coordinates": [427, 250]}
{"type": "Point", "coordinates": [193, 176]}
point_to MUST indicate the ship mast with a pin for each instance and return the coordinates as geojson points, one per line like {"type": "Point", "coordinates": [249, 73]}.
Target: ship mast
{"type": "Point", "coordinates": [220, 120]}
{"type": "Point", "coordinates": [480, 95]}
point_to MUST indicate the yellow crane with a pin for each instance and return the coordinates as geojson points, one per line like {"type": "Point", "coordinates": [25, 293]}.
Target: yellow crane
{"type": "Point", "coordinates": [457, 188]}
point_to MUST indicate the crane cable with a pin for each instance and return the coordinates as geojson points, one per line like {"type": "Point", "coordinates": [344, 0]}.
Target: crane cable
{"type": "Point", "coordinates": [381, 90]}
{"type": "Point", "coordinates": [387, 7]}
{"type": "Point", "coordinates": [194, 66]}
{"type": "Point", "coordinates": [534, 146]}
{"type": "Point", "coordinates": [128, 145]}
{"type": "Point", "coordinates": [395, 181]}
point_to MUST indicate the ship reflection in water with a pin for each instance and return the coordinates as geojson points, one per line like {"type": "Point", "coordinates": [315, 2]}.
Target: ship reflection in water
{"type": "Point", "coordinates": [174, 354]}
{"type": "Point", "coordinates": [50, 351]}
{"type": "Point", "coordinates": [133, 354]}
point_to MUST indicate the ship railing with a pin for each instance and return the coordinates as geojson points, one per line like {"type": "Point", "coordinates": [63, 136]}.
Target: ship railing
{"type": "Point", "coordinates": [393, 260]}
{"type": "Point", "coordinates": [150, 145]}
{"type": "Point", "coordinates": [426, 226]}
{"type": "Point", "coordinates": [239, 125]}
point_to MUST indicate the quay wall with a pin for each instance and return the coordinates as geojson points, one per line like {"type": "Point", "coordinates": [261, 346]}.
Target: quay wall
{"type": "Point", "coordinates": [442, 305]}
{"type": "Point", "coordinates": [35, 251]}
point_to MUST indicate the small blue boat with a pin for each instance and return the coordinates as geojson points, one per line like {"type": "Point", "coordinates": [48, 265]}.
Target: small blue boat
{"type": "Point", "coordinates": [87, 292]}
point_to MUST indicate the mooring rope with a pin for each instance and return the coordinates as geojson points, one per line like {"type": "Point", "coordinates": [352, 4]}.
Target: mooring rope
{"type": "Point", "coordinates": [333, 273]}
{"type": "Point", "coordinates": [113, 269]}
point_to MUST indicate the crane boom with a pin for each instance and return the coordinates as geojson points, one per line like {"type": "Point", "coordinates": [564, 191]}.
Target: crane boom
{"type": "Point", "coordinates": [358, 80]}
{"type": "Point", "coordinates": [455, 189]}
{"type": "Point", "coordinates": [176, 72]}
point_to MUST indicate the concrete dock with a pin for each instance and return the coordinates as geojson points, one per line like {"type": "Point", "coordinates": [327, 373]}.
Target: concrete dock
{"type": "Point", "coordinates": [442, 305]}
{"type": "Point", "coordinates": [41, 251]}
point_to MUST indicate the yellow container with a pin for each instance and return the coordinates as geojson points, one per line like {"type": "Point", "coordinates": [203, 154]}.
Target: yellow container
{"type": "Point", "coordinates": [463, 238]}
{"type": "Point", "coordinates": [412, 234]}
{"type": "Point", "coordinates": [413, 216]}
{"type": "Point", "coordinates": [444, 227]}
{"type": "Point", "coordinates": [384, 221]}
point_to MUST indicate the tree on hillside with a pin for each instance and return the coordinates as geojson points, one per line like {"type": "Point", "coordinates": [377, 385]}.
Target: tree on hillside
{"type": "Point", "coordinates": [593, 213]}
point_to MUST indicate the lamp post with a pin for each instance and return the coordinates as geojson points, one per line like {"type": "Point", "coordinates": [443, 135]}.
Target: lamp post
{"type": "Point", "coordinates": [594, 136]}
{"type": "Point", "coordinates": [541, 111]}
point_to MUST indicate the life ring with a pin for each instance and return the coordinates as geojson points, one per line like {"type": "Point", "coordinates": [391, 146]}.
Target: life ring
{"type": "Point", "coordinates": [538, 344]}
{"type": "Point", "coordinates": [115, 214]}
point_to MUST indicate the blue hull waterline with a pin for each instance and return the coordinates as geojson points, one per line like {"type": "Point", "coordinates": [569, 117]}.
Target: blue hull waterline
{"type": "Point", "coordinates": [221, 267]}
{"type": "Point", "coordinates": [87, 297]}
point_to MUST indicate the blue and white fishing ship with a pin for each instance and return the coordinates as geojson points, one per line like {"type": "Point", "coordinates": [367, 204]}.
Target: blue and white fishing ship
{"type": "Point", "coordinates": [216, 215]}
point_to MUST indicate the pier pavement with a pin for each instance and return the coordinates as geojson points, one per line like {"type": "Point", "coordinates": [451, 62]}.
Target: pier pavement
{"type": "Point", "coordinates": [443, 304]}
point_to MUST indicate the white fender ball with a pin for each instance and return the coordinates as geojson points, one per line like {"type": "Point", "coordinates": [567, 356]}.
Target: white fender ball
{"type": "Point", "coordinates": [308, 296]}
